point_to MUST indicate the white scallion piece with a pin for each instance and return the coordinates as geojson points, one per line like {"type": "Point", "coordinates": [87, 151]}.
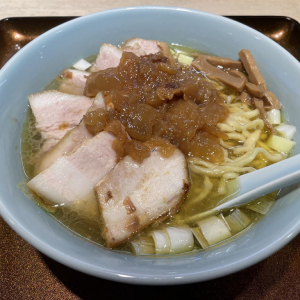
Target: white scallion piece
{"type": "Point", "coordinates": [174, 53]}
{"type": "Point", "coordinates": [82, 65]}
{"type": "Point", "coordinates": [200, 237]}
{"type": "Point", "coordinates": [237, 220]}
{"type": "Point", "coordinates": [161, 241]}
{"type": "Point", "coordinates": [184, 59]}
{"type": "Point", "coordinates": [181, 238]}
{"type": "Point", "coordinates": [143, 246]}
{"type": "Point", "coordinates": [274, 116]}
{"type": "Point", "coordinates": [262, 207]}
{"type": "Point", "coordinates": [286, 131]}
{"type": "Point", "coordinates": [280, 144]}
{"type": "Point", "coordinates": [224, 220]}
{"type": "Point", "coordinates": [214, 230]}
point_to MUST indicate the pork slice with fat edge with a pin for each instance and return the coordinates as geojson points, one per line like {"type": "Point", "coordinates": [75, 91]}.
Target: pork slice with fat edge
{"type": "Point", "coordinates": [73, 176]}
{"type": "Point", "coordinates": [135, 194]}
{"type": "Point", "coordinates": [71, 139]}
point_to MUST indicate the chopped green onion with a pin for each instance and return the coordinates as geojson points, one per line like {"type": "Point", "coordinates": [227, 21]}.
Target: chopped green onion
{"type": "Point", "coordinates": [161, 241]}
{"type": "Point", "coordinates": [262, 206]}
{"type": "Point", "coordinates": [280, 144]}
{"type": "Point", "coordinates": [286, 131]}
{"type": "Point", "coordinates": [237, 220]}
{"type": "Point", "coordinates": [82, 65]}
{"type": "Point", "coordinates": [214, 230]}
{"type": "Point", "coordinates": [274, 116]}
{"type": "Point", "coordinates": [200, 237]}
{"type": "Point", "coordinates": [200, 216]}
{"type": "Point", "coordinates": [181, 239]}
{"type": "Point", "coordinates": [173, 52]}
{"type": "Point", "coordinates": [143, 246]}
{"type": "Point", "coordinates": [184, 59]}
{"type": "Point", "coordinates": [224, 220]}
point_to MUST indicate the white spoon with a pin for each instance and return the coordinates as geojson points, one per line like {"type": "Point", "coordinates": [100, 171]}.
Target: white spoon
{"type": "Point", "coordinates": [264, 181]}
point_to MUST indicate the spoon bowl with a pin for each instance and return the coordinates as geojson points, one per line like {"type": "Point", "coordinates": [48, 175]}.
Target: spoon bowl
{"type": "Point", "coordinates": [264, 181]}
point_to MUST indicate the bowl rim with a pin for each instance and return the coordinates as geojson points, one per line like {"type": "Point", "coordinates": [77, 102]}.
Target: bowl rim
{"type": "Point", "coordinates": [145, 279]}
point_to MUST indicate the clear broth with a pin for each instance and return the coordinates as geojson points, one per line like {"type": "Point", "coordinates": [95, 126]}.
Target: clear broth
{"type": "Point", "coordinates": [87, 223]}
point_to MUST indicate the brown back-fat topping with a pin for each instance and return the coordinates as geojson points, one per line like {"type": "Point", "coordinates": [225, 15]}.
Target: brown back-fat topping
{"type": "Point", "coordinates": [155, 100]}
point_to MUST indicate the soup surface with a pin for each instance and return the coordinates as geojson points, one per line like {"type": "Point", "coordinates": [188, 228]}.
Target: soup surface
{"type": "Point", "coordinates": [217, 112]}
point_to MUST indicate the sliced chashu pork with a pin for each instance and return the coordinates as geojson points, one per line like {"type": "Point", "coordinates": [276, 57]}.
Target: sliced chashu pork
{"type": "Point", "coordinates": [71, 139]}
{"type": "Point", "coordinates": [56, 113]}
{"type": "Point", "coordinates": [73, 81]}
{"type": "Point", "coordinates": [148, 46]}
{"type": "Point", "coordinates": [133, 195]}
{"type": "Point", "coordinates": [109, 55]}
{"type": "Point", "coordinates": [73, 176]}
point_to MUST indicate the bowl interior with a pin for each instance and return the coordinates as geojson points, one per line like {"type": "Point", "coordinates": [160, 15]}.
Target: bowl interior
{"type": "Point", "coordinates": [37, 64]}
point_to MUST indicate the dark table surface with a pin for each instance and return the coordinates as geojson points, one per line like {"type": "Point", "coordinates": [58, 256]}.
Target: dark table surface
{"type": "Point", "coordinates": [25, 273]}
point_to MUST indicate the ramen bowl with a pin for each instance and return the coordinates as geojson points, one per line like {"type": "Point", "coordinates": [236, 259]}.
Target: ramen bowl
{"type": "Point", "coordinates": [32, 68]}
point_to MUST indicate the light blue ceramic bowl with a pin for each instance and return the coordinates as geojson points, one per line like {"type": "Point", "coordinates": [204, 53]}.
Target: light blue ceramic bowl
{"type": "Point", "coordinates": [37, 64]}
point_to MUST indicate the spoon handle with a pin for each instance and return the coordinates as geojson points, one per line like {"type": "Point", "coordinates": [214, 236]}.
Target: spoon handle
{"type": "Point", "coordinates": [266, 180]}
